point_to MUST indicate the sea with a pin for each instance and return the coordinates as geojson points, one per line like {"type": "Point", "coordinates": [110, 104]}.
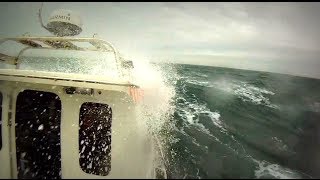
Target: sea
{"type": "Point", "coordinates": [231, 123]}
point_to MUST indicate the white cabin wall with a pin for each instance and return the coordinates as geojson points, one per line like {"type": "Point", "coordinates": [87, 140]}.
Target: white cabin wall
{"type": "Point", "coordinates": [4, 151]}
{"type": "Point", "coordinates": [131, 152]}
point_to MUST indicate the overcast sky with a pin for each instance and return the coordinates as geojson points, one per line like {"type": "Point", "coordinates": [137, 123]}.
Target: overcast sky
{"type": "Point", "coordinates": [277, 37]}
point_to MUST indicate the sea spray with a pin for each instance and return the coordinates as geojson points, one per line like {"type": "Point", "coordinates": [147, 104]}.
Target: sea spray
{"type": "Point", "coordinates": [155, 108]}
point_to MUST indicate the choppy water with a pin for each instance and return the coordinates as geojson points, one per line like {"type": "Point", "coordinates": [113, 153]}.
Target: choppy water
{"type": "Point", "coordinates": [230, 123]}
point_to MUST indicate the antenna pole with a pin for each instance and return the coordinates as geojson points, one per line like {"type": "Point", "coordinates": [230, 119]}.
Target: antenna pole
{"type": "Point", "coordinates": [40, 17]}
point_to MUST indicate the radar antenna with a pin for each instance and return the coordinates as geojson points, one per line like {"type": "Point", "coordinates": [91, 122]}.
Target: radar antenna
{"type": "Point", "coordinates": [62, 22]}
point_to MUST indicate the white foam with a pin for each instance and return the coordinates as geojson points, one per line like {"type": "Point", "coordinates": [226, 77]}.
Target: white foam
{"type": "Point", "coordinates": [280, 144]}
{"type": "Point", "coordinates": [253, 94]}
{"type": "Point", "coordinates": [268, 170]}
{"type": "Point", "coordinates": [215, 117]}
{"type": "Point", "coordinates": [198, 82]}
{"type": "Point", "coordinates": [315, 107]}
{"type": "Point", "coordinates": [246, 92]}
{"type": "Point", "coordinates": [190, 112]}
{"type": "Point", "coordinates": [193, 110]}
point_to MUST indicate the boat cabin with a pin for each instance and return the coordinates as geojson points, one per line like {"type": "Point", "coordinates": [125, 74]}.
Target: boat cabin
{"type": "Point", "coordinates": [56, 123]}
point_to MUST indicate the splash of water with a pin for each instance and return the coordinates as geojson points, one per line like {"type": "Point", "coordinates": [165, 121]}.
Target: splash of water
{"type": "Point", "coordinates": [156, 106]}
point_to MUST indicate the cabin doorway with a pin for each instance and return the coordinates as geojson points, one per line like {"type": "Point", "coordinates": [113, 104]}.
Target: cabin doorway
{"type": "Point", "coordinates": [37, 129]}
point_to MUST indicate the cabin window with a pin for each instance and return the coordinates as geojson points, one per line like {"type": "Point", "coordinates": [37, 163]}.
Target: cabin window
{"type": "Point", "coordinates": [0, 120]}
{"type": "Point", "coordinates": [37, 125]}
{"type": "Point", "coordinates": [95, 138]}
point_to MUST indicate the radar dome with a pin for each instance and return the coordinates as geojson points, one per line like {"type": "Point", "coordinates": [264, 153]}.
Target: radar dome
{"type": "Point", "coordinates": [64, 23]}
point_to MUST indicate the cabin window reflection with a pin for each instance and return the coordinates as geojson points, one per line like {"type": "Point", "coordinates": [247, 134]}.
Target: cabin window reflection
{"type": "Point", "coordinates": [95, 138]}
{"type": "Point", "coordinates": [0, 120]}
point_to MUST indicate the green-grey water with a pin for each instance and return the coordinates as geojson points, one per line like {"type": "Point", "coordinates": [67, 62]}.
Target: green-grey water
{"type": "Point", "coordinates": [231, 123]}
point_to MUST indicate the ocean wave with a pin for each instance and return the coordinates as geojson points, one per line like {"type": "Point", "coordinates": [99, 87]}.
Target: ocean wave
{"type": "Point", "coordinates": [315, 107]}
{"type": "Point", "coordinates": [254, 95]}
{"type": "Point", "coordinates": [280, 144]}
{"type": "Point", "coordinates": [198, 82]}
{"type": "Point", "coordinates": [224, 113]}
{"type": "Point", "coordinates": [246, 92]}
{"type": "Point", "coordinates": [191, 112]}
{"type": "Point", "coordinates": [268, 170]}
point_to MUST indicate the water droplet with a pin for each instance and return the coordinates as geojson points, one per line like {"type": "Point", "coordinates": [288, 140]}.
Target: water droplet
{"type": "Point", "coordinates": [40, 127]}
{"type": "Point", "coordinates": [89, 166]}
{"type": "Point", "coordinates": [23, 154]}
{"type": "Point", "coordinates": [83, 148]}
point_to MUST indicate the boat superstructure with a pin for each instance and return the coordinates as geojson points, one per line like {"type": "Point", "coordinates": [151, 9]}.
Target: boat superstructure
{"type": "Point", "coordinates": [57, 124]}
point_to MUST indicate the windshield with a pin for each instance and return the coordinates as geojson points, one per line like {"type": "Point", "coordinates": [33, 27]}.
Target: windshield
{"type": "Point", "coordinates": [71, 61]}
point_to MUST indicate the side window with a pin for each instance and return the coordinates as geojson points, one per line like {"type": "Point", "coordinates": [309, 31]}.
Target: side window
{"type": "Point", "coordinates": [0, 120]}
{"type": "Point", "coordinates": [95, 138]}
{"type": "Point", "coordinates": [37, 127]}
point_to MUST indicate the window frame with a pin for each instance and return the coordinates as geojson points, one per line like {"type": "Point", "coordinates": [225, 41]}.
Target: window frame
{"type": "Point", "coordinates": [1, 120]}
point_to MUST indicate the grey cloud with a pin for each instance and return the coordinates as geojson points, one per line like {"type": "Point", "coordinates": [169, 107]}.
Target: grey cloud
{"type": "Point", "coordinates": [266, 34]}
